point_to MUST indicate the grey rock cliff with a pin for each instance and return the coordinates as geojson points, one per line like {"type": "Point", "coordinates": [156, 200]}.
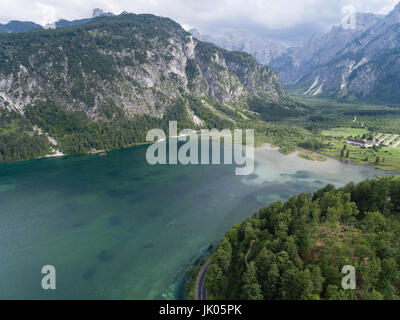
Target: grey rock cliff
{"type": "Point", "coordinates": [263, 50]}
{"type": "Point", "coordinates": [134, 64]}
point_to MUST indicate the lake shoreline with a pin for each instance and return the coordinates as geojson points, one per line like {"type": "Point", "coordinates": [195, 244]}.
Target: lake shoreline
{"type": "Point", "coordinates": [264, 145]}
{"type": "Point", "coordinates": [137, 227]}
{"type": "Point", "coordinates": [296, 153]}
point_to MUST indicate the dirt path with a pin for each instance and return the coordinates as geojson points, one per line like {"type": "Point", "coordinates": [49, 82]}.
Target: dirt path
{"type": "Point", "coordinates": [248, 252]}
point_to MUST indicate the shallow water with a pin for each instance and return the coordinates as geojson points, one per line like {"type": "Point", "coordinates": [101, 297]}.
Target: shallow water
{"type": "Point", "coordinates": [118, 228]}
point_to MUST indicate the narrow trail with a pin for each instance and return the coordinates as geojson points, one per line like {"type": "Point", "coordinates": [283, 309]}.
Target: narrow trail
{"type": "Point", "coordinates": [248, 252]}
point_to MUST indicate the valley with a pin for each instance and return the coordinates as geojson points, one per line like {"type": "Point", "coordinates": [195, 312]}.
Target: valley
{"type": "Point", "coordinates": [78, 191]}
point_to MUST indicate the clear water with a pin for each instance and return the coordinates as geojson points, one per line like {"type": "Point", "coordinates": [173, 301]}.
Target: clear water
{"type": "Point", "coordinates": [118, 228]}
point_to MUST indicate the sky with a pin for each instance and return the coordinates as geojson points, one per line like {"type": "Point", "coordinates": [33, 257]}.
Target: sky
{"type": "Point", "coordinates": [290, 21]}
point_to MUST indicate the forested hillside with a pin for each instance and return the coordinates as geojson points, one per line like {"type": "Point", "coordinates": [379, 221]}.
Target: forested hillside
{"type": "Point", "coordinates": [296, 250]}
{"type": "Point", "coordinates": [104, 83]}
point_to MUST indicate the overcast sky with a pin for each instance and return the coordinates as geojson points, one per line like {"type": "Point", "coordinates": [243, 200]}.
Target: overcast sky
{"type": "Point", "coordinates": [292, 21]}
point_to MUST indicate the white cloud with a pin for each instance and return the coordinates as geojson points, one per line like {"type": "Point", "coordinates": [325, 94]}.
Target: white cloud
{"type": "Point", "coordinates": [294, 16]}
{"type": "Point", "coordinates": [47, 13]}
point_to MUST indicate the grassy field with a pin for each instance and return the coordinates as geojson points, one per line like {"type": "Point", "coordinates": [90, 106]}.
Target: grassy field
{"type": "Point", "coordinates": [328, 114]}
{"type": "Point", "coordinates": [383, 157]}
{"type": "Point", "coordinates": [312, 156]}
{"type": "Point", "coordinates": [345, 132]}
{"type": "Point", "coordinates": [334, 107]}
{"type": "Point", "coordinates": [397, 140]}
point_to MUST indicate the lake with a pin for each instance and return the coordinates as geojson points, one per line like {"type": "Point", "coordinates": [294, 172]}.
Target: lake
{"type": "Point", "coordinates": [117, 228]}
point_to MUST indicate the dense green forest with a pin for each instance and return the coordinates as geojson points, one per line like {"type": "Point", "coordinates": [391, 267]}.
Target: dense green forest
{"type": "Point", "coordinates": [296, 250]}
{"type": "Point", "coordinates": [289, 129]}
{"type": "Point", "coordinates": [82, 85]}
{"type": "Point", "coordinates": [74, 132]}
{"type": "Point", "coordinates": [17, 139]}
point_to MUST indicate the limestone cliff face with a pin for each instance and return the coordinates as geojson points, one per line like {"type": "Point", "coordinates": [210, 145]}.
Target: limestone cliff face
{"type": "Point", "coordinates": [362, 63]}
{"type": "Point", "coordinates": [130, 64]}
{"type": "Point", "coordinates": [264, 50]}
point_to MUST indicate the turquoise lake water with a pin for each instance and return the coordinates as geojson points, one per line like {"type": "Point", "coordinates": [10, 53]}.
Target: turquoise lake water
{"type": "Point", "coordinates": [117, 228]}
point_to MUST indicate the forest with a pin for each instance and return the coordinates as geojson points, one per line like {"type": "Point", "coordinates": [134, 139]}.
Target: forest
{"type": "Point", "coordinates": [77, 134]}
{"type": "Point", "coordinates": [296, 250]}
{"type": "Point", "coordinates": [17, 139]}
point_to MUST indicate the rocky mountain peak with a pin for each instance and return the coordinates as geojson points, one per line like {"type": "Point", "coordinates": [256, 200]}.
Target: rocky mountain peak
{"type": "Point", "coordinates": [264, 50]}
{"type": "Point", "coordinates": [360, 63]}
{"type": "Point", "coordinates": [195, 33]}
{"type": "Point", "coordinates": [394, 16]}
{"type": "Point", "coordinates": [100, 13]}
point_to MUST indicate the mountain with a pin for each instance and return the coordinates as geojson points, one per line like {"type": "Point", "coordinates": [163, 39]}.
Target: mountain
{"type": "Point", "coordinates": [66, 23]}
{"type": "Point", "coordinates": [394, 16]}
{"type": "Point", "coordinates": [100, 13]}
{"type": "Point", "coordinates": [263, 50]}
{"type": "Point", "coordinates": [116, 69]}
{"type": "Point", "coordinates": [138, 62]}
{"type": "Point", "coordinates": [348, 64]}
{"type": "Point", "coordinates": [321, 48]}
{"type": "Point", "coordinates": [18, 26]}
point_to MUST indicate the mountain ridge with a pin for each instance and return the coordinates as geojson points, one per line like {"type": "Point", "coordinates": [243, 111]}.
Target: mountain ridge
{"type": "Point", "coordinates": [104, 83]}
{"type": "Point", "coordinates": [167, 60]}
{"type": "Point", "coordinates": [359, 64]}
{"type": "Point", "coordinates": [18, 26]}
